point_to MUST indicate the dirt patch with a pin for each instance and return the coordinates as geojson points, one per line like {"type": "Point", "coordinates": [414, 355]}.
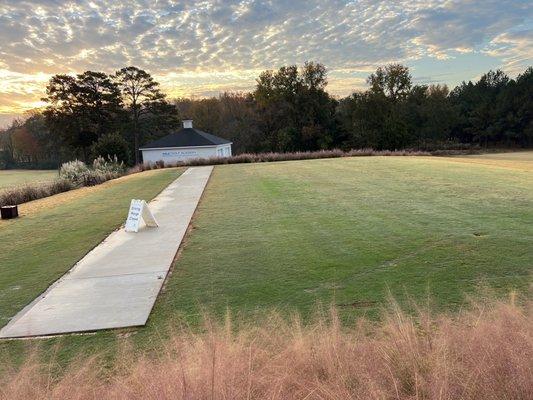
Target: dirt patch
{"type": "Point", "coordinates": [359, 304]}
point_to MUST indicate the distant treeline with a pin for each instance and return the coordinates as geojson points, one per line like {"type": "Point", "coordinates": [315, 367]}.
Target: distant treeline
{"type": "Point", "coordinates": [290, 110]}
{"type": "Point", "coordinates": [95, 114]}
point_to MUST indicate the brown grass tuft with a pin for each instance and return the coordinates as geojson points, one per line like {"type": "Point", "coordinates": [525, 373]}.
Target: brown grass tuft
{"type": "Point", "coordinates": [485, 353]}
{"type": "Point", "coordinates": [34, 191]}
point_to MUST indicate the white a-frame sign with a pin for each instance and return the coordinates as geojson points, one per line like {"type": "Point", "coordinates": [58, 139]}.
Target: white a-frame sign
{"type": "Point", "coordinates": [139, 209]}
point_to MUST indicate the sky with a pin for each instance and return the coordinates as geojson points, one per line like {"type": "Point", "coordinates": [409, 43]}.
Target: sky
{"type": "Point", "coordinates": [202, 48]}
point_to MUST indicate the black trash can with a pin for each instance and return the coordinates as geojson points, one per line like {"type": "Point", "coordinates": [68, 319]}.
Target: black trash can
{"type": "Point", "coordinates": [9, 212]}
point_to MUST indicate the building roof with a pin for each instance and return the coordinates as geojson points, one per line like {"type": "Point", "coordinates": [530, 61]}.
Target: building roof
{"type": "Point", "coordinates": [186, 137]}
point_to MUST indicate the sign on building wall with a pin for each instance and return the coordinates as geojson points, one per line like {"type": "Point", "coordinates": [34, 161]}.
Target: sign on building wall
{"type": "Point", "coordinates": [139, 210]}
{"type": "Point", "coordinates": [180, 153]}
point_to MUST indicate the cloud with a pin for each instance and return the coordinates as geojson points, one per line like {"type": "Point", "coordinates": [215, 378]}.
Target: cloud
{"type": "Point", "coordinates": [467, 25]}
{"type": "Point", "coordinates": [514, 48]}
{"type": "Point", "coordinates": [197, 46]}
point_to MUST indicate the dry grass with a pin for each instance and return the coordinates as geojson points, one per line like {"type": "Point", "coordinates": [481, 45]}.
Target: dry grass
{"type": "Point", "coordinates": [272, 157]}
{"type": "Point", "coordinates": [32, 207]}
{"type": "Point", "coordinates": [73, 174]}
{"type": "Point", "coordinates": [33, 191]}
{"type": "Point", "coordinates": [485, 353]}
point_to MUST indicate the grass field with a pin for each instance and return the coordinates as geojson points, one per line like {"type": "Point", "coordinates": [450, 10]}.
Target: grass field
{"type": "Point", "coordinates": [519, 160]}
{"type": "Point", "coordinates": [290, 234]}
{"type": "Point", "coordinates": [55, 232]}
{"type": "Point", "coordinates": [350, 231]}
{"type": "Point", "coordinates": [512, 156]}
{"type": "Point", "coordinates": [15, 177]}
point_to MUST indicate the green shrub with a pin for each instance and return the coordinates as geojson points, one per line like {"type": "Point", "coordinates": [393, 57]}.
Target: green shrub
{"type": "Point", "coordinates": [112, 146]}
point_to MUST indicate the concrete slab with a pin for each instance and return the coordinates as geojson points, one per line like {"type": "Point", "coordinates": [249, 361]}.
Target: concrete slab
{"type": "Point", "coordinates": [90, 304]}
{"type": "Point", "coordinates": [116, 284]}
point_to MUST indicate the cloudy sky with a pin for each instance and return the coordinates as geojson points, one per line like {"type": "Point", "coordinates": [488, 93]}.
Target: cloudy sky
{"type": "Point", "coordinates": [201, 48]}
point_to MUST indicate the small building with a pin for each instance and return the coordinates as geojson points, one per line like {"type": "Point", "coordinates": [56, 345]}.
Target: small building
{"type": "Point", "coordinates": [185, 144]}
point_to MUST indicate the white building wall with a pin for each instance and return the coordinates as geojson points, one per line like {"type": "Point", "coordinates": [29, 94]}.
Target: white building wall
{"type": "Point", "coordinates": [224, 150]}
{"type": "Point", "coordinates": [169, 155]}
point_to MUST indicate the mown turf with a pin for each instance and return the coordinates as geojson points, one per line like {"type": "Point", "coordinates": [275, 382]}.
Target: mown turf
{"type": "Point", "coordinates": [38, 248]}
{"type": "Point", "coordinates": [512, 156]}
{"type": "Point", "coordinates": [345, 231]}
{"type": "Point", "coordinates": [10, 178]}
{"type": "Point", "coordinates": [349, 231]}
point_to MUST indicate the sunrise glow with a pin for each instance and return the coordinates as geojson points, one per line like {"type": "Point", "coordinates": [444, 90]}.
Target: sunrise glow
{"type": "Point", "coordinates": [204, 48]}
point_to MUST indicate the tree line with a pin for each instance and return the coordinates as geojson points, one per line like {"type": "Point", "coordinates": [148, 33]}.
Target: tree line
{"type": "Point", "coordinates": [94, 114]}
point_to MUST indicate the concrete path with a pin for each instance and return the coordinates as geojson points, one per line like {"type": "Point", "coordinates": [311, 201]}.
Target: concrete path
{"type": "Point", "coordinates": [116, 284]}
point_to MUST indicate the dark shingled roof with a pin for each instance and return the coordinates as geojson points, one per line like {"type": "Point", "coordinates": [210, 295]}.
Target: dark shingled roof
{"type": "Point", "coordinates": [186, 137]}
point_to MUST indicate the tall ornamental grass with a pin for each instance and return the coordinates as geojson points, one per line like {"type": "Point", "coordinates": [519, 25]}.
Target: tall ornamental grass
{"type": "Point", "coordinates": [485, 353]}
{"type": "Point", "coordinates": [102, 170]}
{"type": "Point", "coordinates": [33, 191]}
{"type": "Point", "coordinates": [271, 157]}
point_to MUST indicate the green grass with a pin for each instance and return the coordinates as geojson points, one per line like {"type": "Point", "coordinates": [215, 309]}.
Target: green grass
{"type": "Point", "coordinates": [38, 248]}
{"type": "Point", "coordinates": [349, 231]}
{"type": "Point", "coordinates": [289, 235]}
{"type": "Point", "coordinates": [10, 178]}
{"type": "Point", "coordinates": [511, 156]}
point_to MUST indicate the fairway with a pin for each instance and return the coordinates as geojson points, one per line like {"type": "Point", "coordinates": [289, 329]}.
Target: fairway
{"type": "Point", "coordinates": [511, 156]}
{"type": "Point", "coordinates": [351, 231]}
{"type": "Point", "coordinates": [15, 177]}
{"type": "Point", "coordinates": [291, 235]}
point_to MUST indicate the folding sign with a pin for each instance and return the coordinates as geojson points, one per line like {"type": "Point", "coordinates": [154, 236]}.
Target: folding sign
{"type": "Point", "coordinates": [139, 210]}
